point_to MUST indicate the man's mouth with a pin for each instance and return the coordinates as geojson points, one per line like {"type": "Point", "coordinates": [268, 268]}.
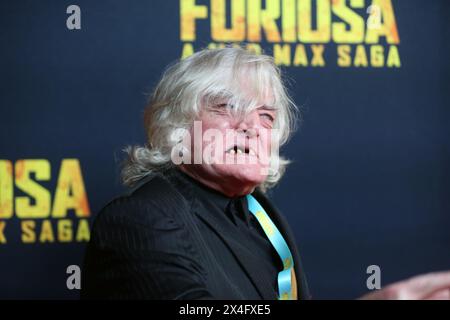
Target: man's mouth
{"type": "Point", "coordinates": [240, 150]}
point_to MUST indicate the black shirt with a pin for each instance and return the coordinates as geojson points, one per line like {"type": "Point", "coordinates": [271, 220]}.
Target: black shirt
{"type": "Point", "coordinates": [237, 220]}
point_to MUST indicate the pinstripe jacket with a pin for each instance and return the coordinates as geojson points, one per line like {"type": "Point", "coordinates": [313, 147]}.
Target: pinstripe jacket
{"type": "Point", "coordinates": [158, 242]}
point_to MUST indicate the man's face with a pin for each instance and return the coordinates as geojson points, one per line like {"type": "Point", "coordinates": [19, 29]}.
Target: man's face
{"type": "Point", "coordinates": [235, 148]}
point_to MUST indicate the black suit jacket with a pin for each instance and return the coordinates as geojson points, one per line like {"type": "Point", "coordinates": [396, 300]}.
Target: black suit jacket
{"type": "Point", "coordinates": [152, 244]}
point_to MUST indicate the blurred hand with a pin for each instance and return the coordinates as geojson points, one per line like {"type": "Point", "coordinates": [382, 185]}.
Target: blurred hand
{"type": "Point", "coordinates": [430, 286]}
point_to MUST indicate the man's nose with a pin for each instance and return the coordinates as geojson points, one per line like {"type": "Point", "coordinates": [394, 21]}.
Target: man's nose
{"type": "Point", "coordinates": [248, 124]}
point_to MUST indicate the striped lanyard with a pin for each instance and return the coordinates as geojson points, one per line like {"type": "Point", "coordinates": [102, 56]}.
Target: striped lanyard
{"type": "Point", "coordinates": [286, 277]}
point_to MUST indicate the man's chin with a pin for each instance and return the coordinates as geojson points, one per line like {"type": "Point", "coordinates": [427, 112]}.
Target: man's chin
{"type": "Point", "coordinates": [243, 174]}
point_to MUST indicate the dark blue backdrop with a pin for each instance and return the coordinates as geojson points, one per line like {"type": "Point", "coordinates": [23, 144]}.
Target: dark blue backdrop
{"type": "Point", "coordinates": [370, 181]}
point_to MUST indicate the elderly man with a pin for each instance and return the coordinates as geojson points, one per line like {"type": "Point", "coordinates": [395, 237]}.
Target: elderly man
{"type": "Point", "coordinates": [197, 223]}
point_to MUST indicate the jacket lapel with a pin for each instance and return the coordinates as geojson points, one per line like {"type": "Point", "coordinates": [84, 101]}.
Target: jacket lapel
{"type": "Point", "coordinates": [241, 254]}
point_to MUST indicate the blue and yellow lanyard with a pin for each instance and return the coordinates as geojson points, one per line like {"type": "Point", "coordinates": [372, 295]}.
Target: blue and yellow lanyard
{"type": "Point", "coordinates": [286, 278]}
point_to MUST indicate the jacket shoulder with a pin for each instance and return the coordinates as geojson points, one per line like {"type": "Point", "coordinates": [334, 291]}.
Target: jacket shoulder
{"type": "Point", "coordinates": [152, 198]}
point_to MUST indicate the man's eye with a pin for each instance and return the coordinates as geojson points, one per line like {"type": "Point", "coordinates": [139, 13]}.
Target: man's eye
{"type": "Point", "coordinates": [267, 116]}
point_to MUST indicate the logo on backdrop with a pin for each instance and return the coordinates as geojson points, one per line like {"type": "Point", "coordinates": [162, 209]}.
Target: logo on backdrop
{"type": "Point", "coordinates": [298, 33]}
{"type": "Point", "coordinates": [32, 212]}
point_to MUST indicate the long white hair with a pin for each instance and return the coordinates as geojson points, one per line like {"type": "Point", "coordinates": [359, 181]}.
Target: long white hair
{"type": "Point", "coordinates": [189, 84]}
